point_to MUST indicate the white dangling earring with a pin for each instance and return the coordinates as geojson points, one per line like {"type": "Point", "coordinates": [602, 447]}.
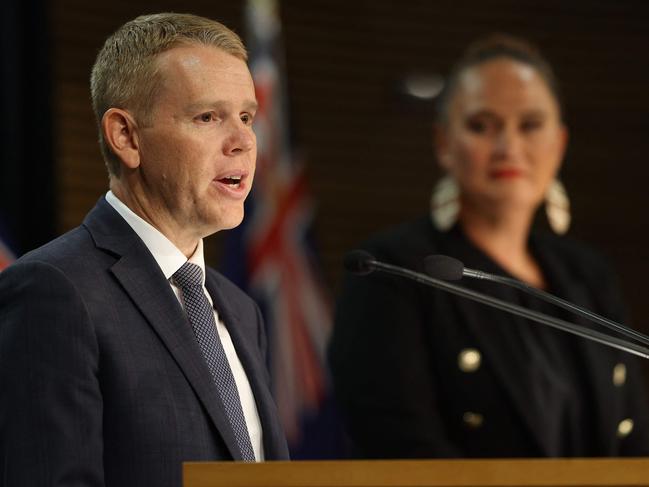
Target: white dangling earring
{"type": "Point", "coordinates": [445, 203]}
{"type": "Point", "coordinates": [557, 207]}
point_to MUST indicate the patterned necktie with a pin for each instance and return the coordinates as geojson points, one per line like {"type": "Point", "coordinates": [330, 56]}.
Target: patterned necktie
{"type": "Point", "coordinates": [189, 278]}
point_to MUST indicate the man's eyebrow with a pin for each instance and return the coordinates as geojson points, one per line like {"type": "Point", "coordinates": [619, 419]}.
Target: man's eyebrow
{"type": "Point", "coordinates": [205, 105]}
{"type": "Point", "coordinates": [251, 105]}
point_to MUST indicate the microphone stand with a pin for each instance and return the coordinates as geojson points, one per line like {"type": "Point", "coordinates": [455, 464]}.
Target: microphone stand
{"type": "Point", "coordinates": [550, 298]}
{"type": "Point", "coordinates": [542, 318]}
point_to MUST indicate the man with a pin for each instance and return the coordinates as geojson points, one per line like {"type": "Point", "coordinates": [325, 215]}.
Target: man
{"type": "Point", "coordinates": [121, 356]}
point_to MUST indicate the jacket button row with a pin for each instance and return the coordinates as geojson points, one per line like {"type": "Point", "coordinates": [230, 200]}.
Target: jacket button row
{"type": "Point", "coordinates": [619, 375]}
{"type": "Point", "coordinates": [469, 360]}
{"type": "Point", "coordinates": [473, 420]}
{"type": "Point", "coordinates": [625, 428]}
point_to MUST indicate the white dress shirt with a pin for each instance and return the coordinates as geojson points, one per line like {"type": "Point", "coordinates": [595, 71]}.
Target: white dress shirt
{"type": "Point", "coordinates": [170, 259]}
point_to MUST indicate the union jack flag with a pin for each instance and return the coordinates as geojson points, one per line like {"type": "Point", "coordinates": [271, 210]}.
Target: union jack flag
{"type": "Point", "coordinates": [6, 257]}
{"type": "Point", "coordinates": [274, 241]}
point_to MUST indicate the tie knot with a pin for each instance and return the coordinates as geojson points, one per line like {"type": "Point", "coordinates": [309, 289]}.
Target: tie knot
{"type": "Point", "coordinates": [188, 275]}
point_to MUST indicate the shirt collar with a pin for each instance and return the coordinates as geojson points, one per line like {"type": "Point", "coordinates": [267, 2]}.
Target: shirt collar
{"type": "Point", "coordinates": [166, 254]}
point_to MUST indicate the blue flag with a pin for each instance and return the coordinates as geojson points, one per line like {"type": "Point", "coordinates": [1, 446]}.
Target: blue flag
{"type": "Point", "coordinates": [271, 255]}
{"type": "Point", "coordinates": [6, 256]}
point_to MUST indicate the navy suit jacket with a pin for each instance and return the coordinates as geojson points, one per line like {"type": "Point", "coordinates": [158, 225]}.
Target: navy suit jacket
{"type": "Point", "coordinates": [102, 381]}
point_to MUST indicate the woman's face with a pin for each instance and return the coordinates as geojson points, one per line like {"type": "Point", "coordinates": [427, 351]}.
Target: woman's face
{"type": "Point", "coordinates": [504, 140]}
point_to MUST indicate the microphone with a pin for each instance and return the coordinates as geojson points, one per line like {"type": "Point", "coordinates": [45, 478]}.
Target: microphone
{"type": "Point", "coordinates": [450, 269]}
{"type": "Point", "coordinates": [444, 267]}
{"type": "Point", "coordinates": [358, 262]}
{"type": "Point", "coordinates": [362, 263]}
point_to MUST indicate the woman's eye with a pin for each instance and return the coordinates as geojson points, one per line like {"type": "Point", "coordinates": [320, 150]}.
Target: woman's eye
{"type": "Point", "coordinates": [530, 125]}
{"type": "Point", "coordinates": [477, 126]}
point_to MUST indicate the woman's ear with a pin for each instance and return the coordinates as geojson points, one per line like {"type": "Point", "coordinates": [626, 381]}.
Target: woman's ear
{"type": "Point", "coordinates": [121, 135]}
{"type": "Point", "coordinates": [565, 135]}
{"type": "Point", "coordinates": [440, 145]}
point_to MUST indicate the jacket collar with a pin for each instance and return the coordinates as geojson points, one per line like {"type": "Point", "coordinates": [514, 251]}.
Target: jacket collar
{"type": "Point", "coordinates": [498, 342]}
{"type": "Point", "coordinates": [141, 278]}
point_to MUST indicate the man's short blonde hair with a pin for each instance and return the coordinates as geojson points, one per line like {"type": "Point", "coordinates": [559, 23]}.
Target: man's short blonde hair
{"type": "Point", "coordinates": [125, 75]}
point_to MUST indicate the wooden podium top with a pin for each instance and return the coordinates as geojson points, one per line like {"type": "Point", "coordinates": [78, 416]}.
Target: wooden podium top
{"type": "Point", "coordinates": [421, 473]}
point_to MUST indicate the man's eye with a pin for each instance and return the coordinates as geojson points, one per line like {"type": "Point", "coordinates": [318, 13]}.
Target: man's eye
{"type": "Point", "coordinates": [246, 118]}
{"type": "Point", "coordinates": [206, 117]}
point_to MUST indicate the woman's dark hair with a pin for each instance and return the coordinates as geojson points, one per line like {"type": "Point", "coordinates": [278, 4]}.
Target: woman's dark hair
{"type": "Point", "coordinates": [493, 47]}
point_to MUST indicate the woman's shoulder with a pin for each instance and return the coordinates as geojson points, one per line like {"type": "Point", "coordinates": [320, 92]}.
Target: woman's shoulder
{"type": "Point", "coordinates": [405, 244]}
{"type": "Point", "coordinates": [585, 258]}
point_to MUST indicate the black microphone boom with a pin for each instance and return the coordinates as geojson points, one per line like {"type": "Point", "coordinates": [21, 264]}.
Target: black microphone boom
{"type": "Point", "coordinates": [362, 263]}
{"type": "Point", "coordinates": [357, 262]}
{"type": "Point", "coordinates": [448, 268]}
{"type": "Point", "coordinates": [444, 267]}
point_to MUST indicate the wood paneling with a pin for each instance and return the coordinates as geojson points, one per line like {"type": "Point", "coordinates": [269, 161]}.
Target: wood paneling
{"type": "Point", "coordinates": [368, 153]}
{"type": "Point", "coordinates": [370, 157]}
{"type": "Point", "coordinates": [420, 473]}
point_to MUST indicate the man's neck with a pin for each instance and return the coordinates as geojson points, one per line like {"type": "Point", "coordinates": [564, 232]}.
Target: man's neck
{"type": "Point", "coordinates": [142, 207]}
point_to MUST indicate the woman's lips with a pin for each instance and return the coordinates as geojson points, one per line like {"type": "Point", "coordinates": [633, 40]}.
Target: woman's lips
{"type": "Point", "coordinates": [505, 173]}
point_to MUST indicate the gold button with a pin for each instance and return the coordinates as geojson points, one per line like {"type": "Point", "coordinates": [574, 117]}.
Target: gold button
{"type": "Point", "coordinates": [625, 428]}
{"type": "Point", "coordinates": [469, 360]}
{"type": "Point", "coordinates": [619, 375]}
{"type": "Point", "coordinates": [473, 420]}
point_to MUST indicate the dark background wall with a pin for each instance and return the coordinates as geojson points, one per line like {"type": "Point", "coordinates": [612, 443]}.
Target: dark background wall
{"type": "Point", "coordinates": [368, 151]}
{"type": "Point", "coordinates": [27, 199]}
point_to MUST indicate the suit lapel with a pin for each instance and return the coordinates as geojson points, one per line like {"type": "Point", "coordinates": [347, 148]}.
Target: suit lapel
{"type": "Point", "coordinates": [494, 331]}
{"type": "Point", "coordinates": [596, 364]}
{"type": "Point", "coordinates": [141, 277]}
{"type": "Point", "coordinates": [245, 340]}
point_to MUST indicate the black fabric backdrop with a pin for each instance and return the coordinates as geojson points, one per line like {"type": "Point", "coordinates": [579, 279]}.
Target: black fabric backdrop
{"type": "Point", "coordinates": [27, 216]}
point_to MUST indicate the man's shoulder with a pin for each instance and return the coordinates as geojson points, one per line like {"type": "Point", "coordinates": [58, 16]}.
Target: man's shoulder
{"type": "Point", "coordinates": [61, 251]}
{"type": "Point", "coordinates": [77, 248]}
{"type": "Point", "coordinates": [52, 270]}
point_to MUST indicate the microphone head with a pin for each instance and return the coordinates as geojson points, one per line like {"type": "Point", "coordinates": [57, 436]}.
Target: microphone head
{"type": "Point", "coordinates": [358, 262]}
{"type": "Point", "coordinates": [443, 267]}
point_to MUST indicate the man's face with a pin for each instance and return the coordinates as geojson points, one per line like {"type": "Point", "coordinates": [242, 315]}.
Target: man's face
{"type": "Point", "coordinates": [197, 156]}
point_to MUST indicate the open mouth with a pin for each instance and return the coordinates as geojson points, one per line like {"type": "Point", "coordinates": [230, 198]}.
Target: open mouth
{"type": "Point", "coordinates": [232, 181]}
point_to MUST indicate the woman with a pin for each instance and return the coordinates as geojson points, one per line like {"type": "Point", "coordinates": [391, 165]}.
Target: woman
{"type": "Point", "coordinates": [422, 373]}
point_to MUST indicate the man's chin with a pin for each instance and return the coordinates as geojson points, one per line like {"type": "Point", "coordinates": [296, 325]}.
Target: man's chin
{"type": "Point", "coordinates": [229, 222]}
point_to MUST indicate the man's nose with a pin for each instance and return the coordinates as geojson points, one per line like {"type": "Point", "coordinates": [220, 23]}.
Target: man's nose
{"type": "Point", "coordinates": [240, 139]}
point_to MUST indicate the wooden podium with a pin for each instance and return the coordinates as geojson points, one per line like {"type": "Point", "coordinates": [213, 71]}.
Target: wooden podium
{"type": "Point", "coordinates": [610, 472]}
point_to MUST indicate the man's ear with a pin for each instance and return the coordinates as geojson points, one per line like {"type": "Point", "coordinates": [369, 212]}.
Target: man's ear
{"type": "Point", "coordinates": [121, 135]}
